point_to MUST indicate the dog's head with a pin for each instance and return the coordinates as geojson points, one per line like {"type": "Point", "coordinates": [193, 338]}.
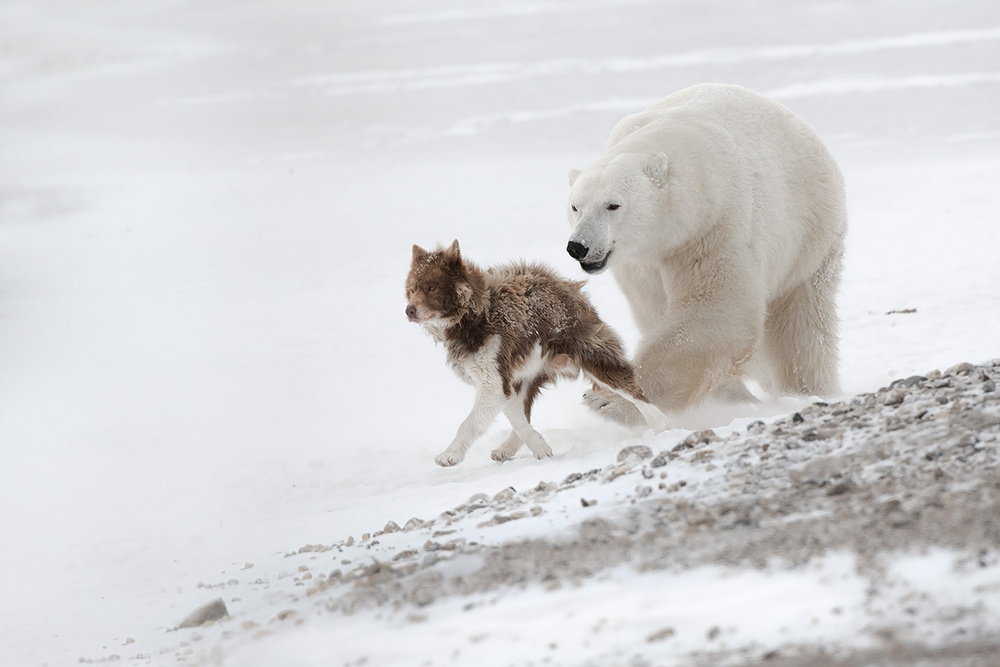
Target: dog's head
{"type": "Point", "coordinates": [438, 289]}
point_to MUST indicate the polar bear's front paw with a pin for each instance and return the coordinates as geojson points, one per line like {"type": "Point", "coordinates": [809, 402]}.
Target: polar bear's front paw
{"type": "Point", "coordinates": [448, 458]}
{"type": "Point", "coordinates": [612, 406]}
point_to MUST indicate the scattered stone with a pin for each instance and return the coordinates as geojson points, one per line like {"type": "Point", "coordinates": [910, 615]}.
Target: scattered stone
{"type": "Point", "coordinates": [572, 477]}
{"type": "Point", "coordinates": [390, 527]}
{"type": "Point", "coordinates": [661, 635]}
{"type": "Point", "coordinates": [696, 438]}
{"type": "Point", "coordinates": [893, 397]}
{"type": "Point", "coordinates": [636, 452]}
{"type": "Point", "coordinates": [756, 427]}
{"type": "Point", "coordinates": [587, 503]}
{"type": "Point", "coordinates": [659, 460]}
{"type": "Point", "coordinates": [408, 553]}
{"type": "Point", "coordinates": [908, 382]}
{"type": "Point", "coordinates": [413, 524]}
{"type": "Point", "coordinates": [504, 495]}
{"type": "Point", "coordinates": [960, 369]}
{"type": "Point", "coordinates": [207, 613]}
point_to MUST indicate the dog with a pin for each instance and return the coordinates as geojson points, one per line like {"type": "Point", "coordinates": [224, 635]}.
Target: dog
{"type": "Point", "coordinates": [510, 331]}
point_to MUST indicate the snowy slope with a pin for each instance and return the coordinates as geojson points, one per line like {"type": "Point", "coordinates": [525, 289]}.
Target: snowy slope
{"type": "Point", "coordinates": [206, 211]}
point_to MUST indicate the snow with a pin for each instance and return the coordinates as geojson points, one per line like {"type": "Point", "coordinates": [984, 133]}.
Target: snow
{"type": "Point", "coordinates": [206, 215]}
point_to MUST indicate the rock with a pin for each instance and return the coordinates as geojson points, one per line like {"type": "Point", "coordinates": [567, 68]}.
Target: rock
{"type": "Point", "coordinates": [959, 369]}
{"type": "Point", "coordinates": [639, 452]}
{"type": "Point", "coordinates": [505, 494]}
{"type": "Point", "coordinates": [700, 437]}
{"type": "Point", "coordinates": [212, 611]}
{"type": "Point", "coordinates": [661, 635]}
{"type": "Point", "coordinates": [572, 477]}
{"type": "Point", "coordinates": [659, 460]}
{"type": "Point", "coordinates": [893, 397]}
{"type": "Point", "coordinates": [908, 382]}
{"type": "Point", "coordinates": [587, 503]}
{"type": "Point", "coordinates": [756, 427]}
{"type": "Point", "coordinates": [414, 523]}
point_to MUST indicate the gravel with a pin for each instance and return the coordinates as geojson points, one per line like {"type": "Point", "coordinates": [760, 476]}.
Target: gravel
{"type": "Point", "coordinates": [910, 468]}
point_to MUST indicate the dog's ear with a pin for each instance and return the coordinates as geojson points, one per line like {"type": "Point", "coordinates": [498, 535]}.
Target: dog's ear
{"type": "Point", "coordinates": [453, 252]}
{"type": "Point", "coordinates": [418, 252]}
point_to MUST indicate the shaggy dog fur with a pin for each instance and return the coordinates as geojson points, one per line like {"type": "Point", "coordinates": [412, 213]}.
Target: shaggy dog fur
{"type": "Point", "coordinates": [509, 331]}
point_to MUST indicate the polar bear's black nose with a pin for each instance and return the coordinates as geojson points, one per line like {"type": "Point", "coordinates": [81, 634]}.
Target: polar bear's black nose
{"type": "Point", "coordinates": [577, 250]}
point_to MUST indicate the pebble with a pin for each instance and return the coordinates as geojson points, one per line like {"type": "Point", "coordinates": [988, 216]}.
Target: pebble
{"type": "Point", "coordinates": [211, 611]}
{"type": "Point", "coordinates": [959, 369]}
{"type": "Point", "coordinates": [638, 452]}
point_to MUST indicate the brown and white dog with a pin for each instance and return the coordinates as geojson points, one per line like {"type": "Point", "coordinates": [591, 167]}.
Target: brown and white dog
{"type": "Point", "coordinates": [509, 331]}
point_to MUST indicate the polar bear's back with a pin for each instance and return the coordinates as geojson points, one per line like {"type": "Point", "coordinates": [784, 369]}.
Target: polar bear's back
{"type": "Point", "coordinates": [745, 147]}
{"type": "Point", "coordinates": [735, 110]}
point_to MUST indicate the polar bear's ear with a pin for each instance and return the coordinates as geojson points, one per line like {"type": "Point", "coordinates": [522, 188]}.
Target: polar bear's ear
{"type": "Point", "coordinates": [573, 175]}
{"type": "Point", "coordinates": [656, 169]}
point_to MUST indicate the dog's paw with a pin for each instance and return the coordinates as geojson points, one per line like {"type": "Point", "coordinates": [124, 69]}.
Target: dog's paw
{"type": "Point", "coordinates": [612, 406]}
{"type": "Point", "coordinates": [500, 455]}
{"type": "Point", "coordinates": [447, 459]}
{"type": "Point", "coordinates": [542, 452]}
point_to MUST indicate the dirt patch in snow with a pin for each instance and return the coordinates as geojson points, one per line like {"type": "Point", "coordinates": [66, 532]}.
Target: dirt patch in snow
{"type": "Point", "coordinates": [909, 468]}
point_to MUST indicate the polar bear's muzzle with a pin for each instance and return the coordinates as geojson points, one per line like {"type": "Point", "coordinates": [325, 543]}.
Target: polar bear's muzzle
{"type": "Point", "coordinates": [580, 253]}
{"type": "Point", "coordinates": [595, 267]}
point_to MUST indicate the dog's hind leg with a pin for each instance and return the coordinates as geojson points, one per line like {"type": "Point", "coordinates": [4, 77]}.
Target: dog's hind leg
{"type": "Point", "coordinates": [518, 413]}
{"type": "Point", "coordinates": [508, 449]}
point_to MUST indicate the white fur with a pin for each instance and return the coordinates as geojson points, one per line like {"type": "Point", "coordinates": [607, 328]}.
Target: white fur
{"type": "Point", "coordinates": [722, 217]}
{"type": "Point", "coordinates": [480, 370]}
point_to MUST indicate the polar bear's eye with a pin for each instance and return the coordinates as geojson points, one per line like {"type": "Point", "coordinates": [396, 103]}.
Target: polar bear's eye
{"type": "Point", "coordinates": [574, 208]}
{"type": "Point", "coordinates": [613, 207]}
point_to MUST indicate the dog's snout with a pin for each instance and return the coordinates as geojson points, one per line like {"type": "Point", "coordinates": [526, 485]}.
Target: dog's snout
{"type": "Point", "coordinates": [577, 250]}
{"type": "Point", "coordinates": [411, 311]}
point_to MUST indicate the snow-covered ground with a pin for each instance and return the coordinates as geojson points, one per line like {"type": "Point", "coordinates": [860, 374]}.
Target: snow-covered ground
{"type": "Point", "coordinates": [206, 214]}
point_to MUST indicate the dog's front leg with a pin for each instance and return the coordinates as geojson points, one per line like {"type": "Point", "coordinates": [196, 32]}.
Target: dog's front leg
{"type": "Point", "coordinates": [489, 402]}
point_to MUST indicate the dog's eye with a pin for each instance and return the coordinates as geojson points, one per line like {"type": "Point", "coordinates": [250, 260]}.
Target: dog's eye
{"type": "Point", "coordinates": [613, 207]}
{"type": "Point", "coordinates": [432, 289]}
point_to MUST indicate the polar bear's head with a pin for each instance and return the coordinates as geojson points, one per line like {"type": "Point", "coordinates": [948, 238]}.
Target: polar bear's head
{"type": "Point", "coordinates": [613, 206]}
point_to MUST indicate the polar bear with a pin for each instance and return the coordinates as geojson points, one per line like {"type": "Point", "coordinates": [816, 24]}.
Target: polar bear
{"type": "Point", "coordinates": [722, 217]}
